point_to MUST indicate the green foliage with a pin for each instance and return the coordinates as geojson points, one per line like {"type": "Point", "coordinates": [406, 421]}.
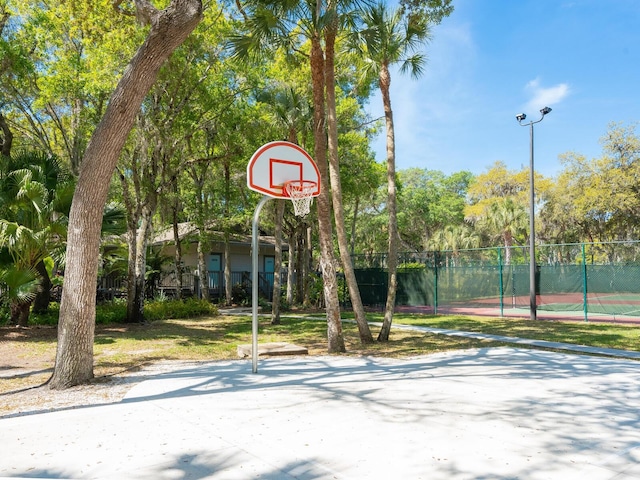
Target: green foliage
{"type": "Point", "coordinates": [411, 266]}
{"type": "Point", "coordinates": [189, 308]}
{"type": "Point", "coordinates": [241, 293]}
{"type": "Point", "coordinates": [430, 201]}
{"type": "Point", "coordinates": [316, 290]}
{"type": "Point", "coordinates": [18, 285]}
{"type": "Point", "coordinates": [430, 11]}
{"type": "Point", "coordinates": [50, 317]}
{"type": "Point", "coordinates": [116, 311]}
{"type": "Point", "coordinates": [597, 199]}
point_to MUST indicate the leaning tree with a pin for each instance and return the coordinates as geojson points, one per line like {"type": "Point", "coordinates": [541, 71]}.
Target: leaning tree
{"type": "Point", "coordinates": [168, 29]}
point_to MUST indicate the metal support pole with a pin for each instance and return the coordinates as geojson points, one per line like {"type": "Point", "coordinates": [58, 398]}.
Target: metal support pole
{"type": "Point", "coordinates": [585, 304]}
{"type": "Point", "coordinates": [436, 260]}
{"type": "Point", "coordinates": [532, 213]}
{"type": "Point", "coordinates": [254, 282]}
{"type": "Point", "coordinates": [501, 281]}
{"type": "Point", "coordinates": [532, 231]}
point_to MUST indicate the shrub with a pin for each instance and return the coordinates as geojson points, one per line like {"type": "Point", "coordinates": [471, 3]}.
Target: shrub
{"type": "Point", "coordinates": [50, 317]}
{"type": "Point", "coordinates": [115, 311]}
{"type": "Point", "coordinates": [241, 294]}
{"type": "Point", "coordinates": [192, 307]}
{"type": "Point", "coordinates": [411, 266]}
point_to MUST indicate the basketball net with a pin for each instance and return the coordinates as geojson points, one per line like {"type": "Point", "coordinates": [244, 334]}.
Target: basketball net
{"type": "Point", "coordinates": [301, 194]}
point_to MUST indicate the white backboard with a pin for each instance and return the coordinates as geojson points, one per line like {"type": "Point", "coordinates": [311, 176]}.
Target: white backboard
{"type": "Point", "coordinates": [278, 162]}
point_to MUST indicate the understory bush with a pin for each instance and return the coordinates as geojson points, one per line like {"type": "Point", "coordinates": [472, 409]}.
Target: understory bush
{"type": "Point", "coordinates": [115, 311]}
{"type": "Point", "coordinates": [191, 307]}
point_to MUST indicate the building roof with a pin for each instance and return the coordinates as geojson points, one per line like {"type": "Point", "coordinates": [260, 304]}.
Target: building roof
{"type": "Point", "coordinates": [187, 230]}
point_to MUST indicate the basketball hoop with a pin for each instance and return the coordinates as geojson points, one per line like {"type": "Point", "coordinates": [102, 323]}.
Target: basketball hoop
{"type": "Point", "coordinates": [301, 194]}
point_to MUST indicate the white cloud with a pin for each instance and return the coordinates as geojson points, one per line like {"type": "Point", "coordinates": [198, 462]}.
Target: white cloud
{"type": "Point", "coordinates": [545, 96]}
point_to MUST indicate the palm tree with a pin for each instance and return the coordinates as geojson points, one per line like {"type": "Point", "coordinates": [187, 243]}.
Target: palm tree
{"type": "Point", "coordinates": [275, 23]}
{"type": "Point", "coordinates": [336, 9]}
{"type": "Point", "coordinates": [389, 38]}
{"type": "Point", "coordinates": [455, 238]}
{"type": "Point", "coordinates": [506, 220]}
{"type": "Point", "coordinates": [292, 113]}
{"type": "Point", "coordinates": [35, 193]}
{"type": "Point", "coordinates": [18, 289]}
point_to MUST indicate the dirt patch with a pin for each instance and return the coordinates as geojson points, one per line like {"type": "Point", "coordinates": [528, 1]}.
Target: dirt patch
{"type": "Point", "coordinates": [27, 356]}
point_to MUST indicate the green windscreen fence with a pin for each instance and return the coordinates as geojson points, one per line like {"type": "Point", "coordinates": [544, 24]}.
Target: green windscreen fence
{"type": "Point", "coordinates": [594, 280]}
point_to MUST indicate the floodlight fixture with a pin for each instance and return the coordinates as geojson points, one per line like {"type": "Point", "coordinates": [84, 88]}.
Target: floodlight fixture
{"type": "Point", "coordinates": [520, 117]}
{"type": "Point", "coordinates": [545, 110]}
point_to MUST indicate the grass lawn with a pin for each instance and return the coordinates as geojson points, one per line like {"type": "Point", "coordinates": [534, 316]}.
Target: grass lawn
{"type": "Point", "coordinates": [27, 355]}
{"type": "Point", "coordinates": [607, 335]}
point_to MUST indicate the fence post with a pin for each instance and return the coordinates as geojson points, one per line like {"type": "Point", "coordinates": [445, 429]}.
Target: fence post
{"type": "Point", "coordinates": [584, 285]}
{"type": "Point", "coordinates": [435, 282]}
{"type": "Point", "coordinates": [500, 269]}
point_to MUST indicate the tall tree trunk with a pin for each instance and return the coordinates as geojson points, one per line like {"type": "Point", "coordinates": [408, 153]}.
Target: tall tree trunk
{"type": "Point", "coordinates": [43, 297]}
{"type": "Point", "coordinates": [392, 257]}
{"type": "Point", "coordinates": [169, 28]}
{"type": "Point", "coordinates": [203, 273]}
{"type": "Point", "coordinates": [138, 239]}
{"type": "Point", "coordinates": [19, 313]}
{"type": "Point", "coordinates": [277, 270]}
{"type": "Point", "coordinates": [336, 187]}
{"type": "Point", "coordinates": [291, 265]}
{"type": "Point", "coordinates": [132, 244]}
{"type": "Point", "coordinates": [307, 267]}
{"type": "Point", "coordinates": [353, 226]}
{"type": "Point", "coordinates": [508, 241]}
{"type": "Point", "coordinates": [228, 287]}
{"type": "Point", "coordinates": [177, 259]}
{"type": "Point", "coordinates": [301, 235]}
{"type": "Point", "coordinates": [198, 176]}
{"type": "Point", "coordinates": [6, 139]}
{"type": "Point", "coordinates": [135, 304]}
{"type": "Point", "coordinates": [327, 260]}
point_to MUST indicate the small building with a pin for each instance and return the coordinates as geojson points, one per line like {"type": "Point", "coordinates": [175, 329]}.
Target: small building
{"type": "Point", "coordinates": [239, 260]}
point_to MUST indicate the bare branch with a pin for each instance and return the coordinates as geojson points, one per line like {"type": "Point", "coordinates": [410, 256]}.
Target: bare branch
{"type": "Point", "coordinates": [241, 9]}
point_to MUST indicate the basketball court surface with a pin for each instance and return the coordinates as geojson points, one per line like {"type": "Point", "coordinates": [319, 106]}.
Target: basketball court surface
{"type": "Point", "coordinates": [499, 413]}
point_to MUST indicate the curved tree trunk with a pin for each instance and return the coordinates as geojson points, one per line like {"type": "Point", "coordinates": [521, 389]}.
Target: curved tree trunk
{"type": "Point", "coordinates": [327, 259]}
{"type": "Point", "coordinates": [352, 245]}
{"type": "Point", "coordinates": [336, 188]}
{"type": "Point", "coordinates": [392, 257]}
{"type": "Point", "coordinates": [169, 28]}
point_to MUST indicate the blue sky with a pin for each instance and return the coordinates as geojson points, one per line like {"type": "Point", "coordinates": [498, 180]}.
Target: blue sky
{"type": "Point", "coordinates": [493, 59]}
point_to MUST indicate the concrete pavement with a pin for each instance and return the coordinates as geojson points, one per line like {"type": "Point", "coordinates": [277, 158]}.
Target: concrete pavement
{"type": "Point", "coordinates": [499, 413]}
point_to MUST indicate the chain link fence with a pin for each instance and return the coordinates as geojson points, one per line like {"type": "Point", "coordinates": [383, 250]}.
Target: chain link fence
{"type": "Point", "coordinates": [584, 280]}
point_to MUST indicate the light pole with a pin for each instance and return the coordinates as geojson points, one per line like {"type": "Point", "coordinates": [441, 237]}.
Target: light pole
{"type": "Point", "coordinates": [532, 222]}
